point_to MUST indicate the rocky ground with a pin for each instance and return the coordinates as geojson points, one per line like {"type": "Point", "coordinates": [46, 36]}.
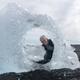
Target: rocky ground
{"type": "Point", "coordinates": [58, 74]}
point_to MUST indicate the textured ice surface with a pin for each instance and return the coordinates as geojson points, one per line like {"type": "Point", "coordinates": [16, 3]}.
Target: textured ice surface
{"type": "Point", "coordinates": [63, 55]}
{"type": "Point", "coordinates": [19, 43]}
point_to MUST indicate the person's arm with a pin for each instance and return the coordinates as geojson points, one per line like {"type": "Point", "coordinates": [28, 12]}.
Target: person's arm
{"type": "Point", "coordinates": [43, 61]}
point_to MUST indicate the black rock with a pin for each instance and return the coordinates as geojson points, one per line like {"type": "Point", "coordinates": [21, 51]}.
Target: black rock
{"type": "Point", "coordinates": [8, 76]}
{"type": "Point", "coordinates": [57, 74]}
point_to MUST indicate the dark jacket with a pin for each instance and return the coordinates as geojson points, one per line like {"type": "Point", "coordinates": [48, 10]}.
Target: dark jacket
{"type": "Point", "coordinates": [49, 52]}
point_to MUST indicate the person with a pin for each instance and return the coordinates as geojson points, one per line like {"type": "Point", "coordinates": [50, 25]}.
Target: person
{"type": "Point", "coordinates": [49, 47]}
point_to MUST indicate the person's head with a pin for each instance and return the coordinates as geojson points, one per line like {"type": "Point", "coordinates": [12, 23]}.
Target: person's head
{"type": "Point", "coordinates": [44, 39]}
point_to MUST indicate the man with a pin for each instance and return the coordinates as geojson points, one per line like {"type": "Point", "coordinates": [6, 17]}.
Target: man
{"type": "Point", "coordinates": [49, 47]}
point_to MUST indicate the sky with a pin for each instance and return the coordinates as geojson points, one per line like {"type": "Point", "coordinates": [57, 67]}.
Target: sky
{"type": "Point", "coordinates": [53, 8]}
{"type": "Point", "coordinates": [65, 13]}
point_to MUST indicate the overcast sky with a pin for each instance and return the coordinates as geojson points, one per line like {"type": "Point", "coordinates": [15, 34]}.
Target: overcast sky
{"type": "Point", "coordinates": [54, 8]}
{"type": "Point", "coordinates": [66, 13]}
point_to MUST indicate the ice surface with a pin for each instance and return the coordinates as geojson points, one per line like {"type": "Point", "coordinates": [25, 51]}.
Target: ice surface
{"type": "Point", "coordinates": [19, 44]}
{"type": "Point", "coordinates": [63, 55]}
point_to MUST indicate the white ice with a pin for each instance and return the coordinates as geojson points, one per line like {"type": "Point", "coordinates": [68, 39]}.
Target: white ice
{"type": "Point", "coordinates": [19, 44]}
